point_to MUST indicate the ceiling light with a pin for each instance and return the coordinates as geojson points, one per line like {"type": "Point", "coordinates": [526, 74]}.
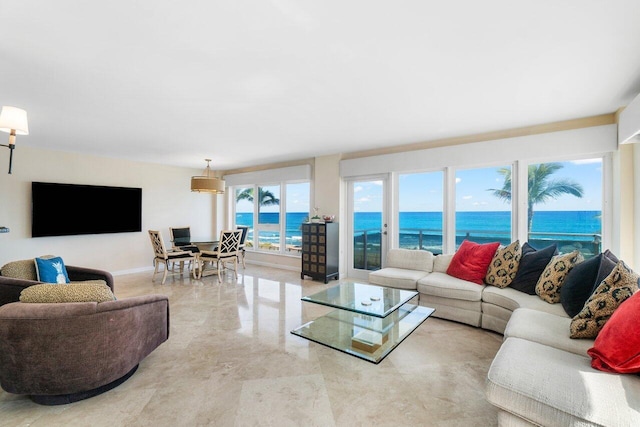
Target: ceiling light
{"type": "Point", "coordinates": [207, 183]}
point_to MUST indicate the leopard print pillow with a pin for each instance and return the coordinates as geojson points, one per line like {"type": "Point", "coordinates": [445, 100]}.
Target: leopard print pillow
{"type": "Point", "coordinates": [76, 292]}
{"type": "Point", "coordinates": [504, 265]}
{"type": "Point", "coordinates": [619, 285]}
{"type": "Point", "coordinates": [551, 279]}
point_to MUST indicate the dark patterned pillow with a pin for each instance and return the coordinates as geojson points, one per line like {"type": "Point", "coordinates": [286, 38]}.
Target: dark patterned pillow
{"type": "Point", "coordinates": [619, 285]}
{"type": "Point", "coordinates": [504, 265]}
{"type": "Point", "coordinates": [583, 279]}
{"type": "Point", "coordinates": [551, 279]}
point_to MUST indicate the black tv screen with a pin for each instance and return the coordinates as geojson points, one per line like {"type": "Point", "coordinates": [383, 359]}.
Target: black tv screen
{"type": "Point", "coordinates": [71, 209]}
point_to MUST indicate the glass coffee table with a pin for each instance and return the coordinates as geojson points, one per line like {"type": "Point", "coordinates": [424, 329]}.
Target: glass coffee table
{"type": "Point", "coordinates": [369, 320]}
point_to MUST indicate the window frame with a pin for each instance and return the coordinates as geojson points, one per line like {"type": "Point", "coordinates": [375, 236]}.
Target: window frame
{"type": "Point", "coordinates": [282, 212]}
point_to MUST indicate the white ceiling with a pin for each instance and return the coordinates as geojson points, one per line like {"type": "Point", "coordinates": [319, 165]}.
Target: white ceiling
{"type": "Point", "coordinates": [249, 82]}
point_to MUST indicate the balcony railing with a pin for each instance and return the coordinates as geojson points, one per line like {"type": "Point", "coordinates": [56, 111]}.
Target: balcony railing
{"type": "Point", "coordinates": [368, 250]}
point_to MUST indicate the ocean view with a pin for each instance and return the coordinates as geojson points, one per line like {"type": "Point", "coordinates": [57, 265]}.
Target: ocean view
{"type": "Point", "coordinates": [424, 229]}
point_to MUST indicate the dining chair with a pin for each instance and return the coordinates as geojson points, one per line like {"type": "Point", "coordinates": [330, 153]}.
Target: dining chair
{"type": "Point", "coordinates": [227, 252]}
{"type": "Point", "coordinates": [243, 238]}
{"type": "Point", "coordinates": [181, 239]}
{"type": "Point", "coordinates": [163, 256]}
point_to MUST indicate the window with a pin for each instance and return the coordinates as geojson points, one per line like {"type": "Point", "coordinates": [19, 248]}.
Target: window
{"type": "Point", "coordinates": [483, 205]}
{"type": "Point", "coordinates": [564, 205]}
{"type": "Point", "coordinates": [420, 207]}
{"type": "Point", "coordinates": [274, 217]}
{"type": "Point", "coordinates": [297, 210]}
{"type": "Point", "coordinates": [244, 211]}
{"type": "Point", "coordinates": [268, 228]}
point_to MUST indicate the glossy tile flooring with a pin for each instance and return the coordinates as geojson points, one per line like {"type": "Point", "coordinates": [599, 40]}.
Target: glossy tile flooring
{"type": "Point", "coordinates": [231, 361]}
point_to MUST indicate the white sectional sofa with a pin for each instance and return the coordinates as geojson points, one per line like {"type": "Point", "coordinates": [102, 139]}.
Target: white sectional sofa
{"type": "Point", "coordinates": [540, 376]}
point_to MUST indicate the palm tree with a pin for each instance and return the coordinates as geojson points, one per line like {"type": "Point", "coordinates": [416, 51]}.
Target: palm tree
{"type": "Point", "coordinates": [265, 197]}
{"type": "Point", "coordinates": [541, 187]}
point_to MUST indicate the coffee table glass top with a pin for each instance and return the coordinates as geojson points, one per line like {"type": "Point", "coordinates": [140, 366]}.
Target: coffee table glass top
{"type": "Point", "coordinates": [362, 298]}
{"type": "Point", "coordinates": [370, 321]}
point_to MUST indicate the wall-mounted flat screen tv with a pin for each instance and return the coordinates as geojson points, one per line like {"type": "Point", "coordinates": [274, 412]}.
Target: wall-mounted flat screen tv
{"type": "Point", "coordinates": [71, 209]}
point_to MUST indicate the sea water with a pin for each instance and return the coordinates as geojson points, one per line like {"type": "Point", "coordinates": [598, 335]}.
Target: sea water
{"type": "Point", "coordinates": [426, 227]}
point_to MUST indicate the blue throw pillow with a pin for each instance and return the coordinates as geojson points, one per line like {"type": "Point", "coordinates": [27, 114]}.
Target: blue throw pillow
{"type": "Point", "coordinates": [51, 270]}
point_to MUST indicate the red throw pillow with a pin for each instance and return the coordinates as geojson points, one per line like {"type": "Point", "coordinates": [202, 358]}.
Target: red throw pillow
{"type": "Point", "coordinates": [617, 347]}
{"type": "Point", "coordinates": [471, 261]}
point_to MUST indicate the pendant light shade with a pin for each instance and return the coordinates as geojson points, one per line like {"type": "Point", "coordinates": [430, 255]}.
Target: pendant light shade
{"type": "Point", "coordinates": [207, 183]}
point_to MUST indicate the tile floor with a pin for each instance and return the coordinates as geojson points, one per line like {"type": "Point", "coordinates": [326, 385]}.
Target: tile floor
{"type": "Point", "coordinates": [231, 361]}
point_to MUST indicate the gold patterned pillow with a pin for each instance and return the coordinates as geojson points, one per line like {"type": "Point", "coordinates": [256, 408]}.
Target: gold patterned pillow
{"type": "Point", "coordinates": [24, 269]}
{"type": "Point", "coordinates": [504, 265]}
{"type": "Point", "coordinates": [619, 285]}
{"type": "Point", "coordinates": [551, 279]}
{"type": "Point", "coordinates": [54, 293]}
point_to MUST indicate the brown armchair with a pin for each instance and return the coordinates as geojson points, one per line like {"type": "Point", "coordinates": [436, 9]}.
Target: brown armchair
{"type": "Point", "coordinates": [64, 352]}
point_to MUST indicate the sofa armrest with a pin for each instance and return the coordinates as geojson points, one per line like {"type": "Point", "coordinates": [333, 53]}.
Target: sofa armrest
{"type": "Point", "coordinates": [78, 274]}
{"type": "Point", "coordinates": [10, 289]}
{"type": "Point", "coordinates": [410, 259]}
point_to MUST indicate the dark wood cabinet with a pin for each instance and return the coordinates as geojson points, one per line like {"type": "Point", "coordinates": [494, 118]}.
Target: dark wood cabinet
{"type": "Point", "coordinates": [320, 251]}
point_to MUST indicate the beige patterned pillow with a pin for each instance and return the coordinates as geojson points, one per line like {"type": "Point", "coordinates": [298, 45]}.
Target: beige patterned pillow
{"type": "Point", "coordinates": [54, 293]}
{"type": "Point", "coordinates": [24, 269]}
{"type": "Point", "coordinates": [551, 279]}
{"type": "Point", "coordinates": [504, 265]}
{"type": "Point", "coordinates": [619, 285]}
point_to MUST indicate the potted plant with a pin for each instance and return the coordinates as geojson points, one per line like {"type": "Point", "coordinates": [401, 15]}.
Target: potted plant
{"type": "Point", "coordinates": [315, 217]}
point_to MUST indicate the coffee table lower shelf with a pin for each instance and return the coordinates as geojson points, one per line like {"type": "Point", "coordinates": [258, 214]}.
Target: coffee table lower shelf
{"type": "Point", "coordinates": [367, 337]}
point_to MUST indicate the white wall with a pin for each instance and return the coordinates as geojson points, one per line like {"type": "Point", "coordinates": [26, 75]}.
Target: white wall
{"type": "Point", "coordinates": [166, 201]}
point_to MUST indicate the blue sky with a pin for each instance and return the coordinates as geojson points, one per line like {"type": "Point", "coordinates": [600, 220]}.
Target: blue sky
{"type": "Point", "coordinates": [472, 186]}
{"type": "Point", "coordinates": [297, 199]}
{"type": "Point", "coordinates": [423, 192]}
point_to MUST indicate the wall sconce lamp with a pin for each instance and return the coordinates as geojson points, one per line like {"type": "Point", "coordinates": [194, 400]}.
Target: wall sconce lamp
{"type": "Point", "coordinates": [13, 121]}
{"type": "Point", "coordinates": [207, 183]}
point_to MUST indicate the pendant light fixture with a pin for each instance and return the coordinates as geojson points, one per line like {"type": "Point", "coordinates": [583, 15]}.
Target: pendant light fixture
{"type": "Point", "coordinates": [207, 183]}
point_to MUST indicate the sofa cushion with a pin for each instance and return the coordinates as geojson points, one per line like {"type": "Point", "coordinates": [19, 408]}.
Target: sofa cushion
{"type": "Point", "coordinates": [396, 277]}
{"type": "Point", "coordinates": [613, 291]}
{"type": "Point", "coordinates": [550, 387]}
{"type": "Point", "coordinates": [469, 312]}
{"type": "Point", "coordinates": [410, 259]}
{"type": "Point", "coordinates": [545, 328]}
{"type": "Point", "coordinates": [51, 270]}
{"type": "Point", "coordinates": [441, 262]}
{"type": "Point", "coordinates": [504, 265]}
{"type": "Point", "coordinates": [532, 264]}
{"type": "Point", "coordinates": [552, 278]}
{"type": "Point", "coordinates": [471, 260]}
{"type": "Point", "coordinates": [511, 299]}
{"type": "Point", "coordinates": [582, 281]}
{"type": "Point", "coordinates": [617, 347]}
{"type": "Point", "coordinates": [443, 285]}
{"type": "Point", "coordinates": [52, 293]}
